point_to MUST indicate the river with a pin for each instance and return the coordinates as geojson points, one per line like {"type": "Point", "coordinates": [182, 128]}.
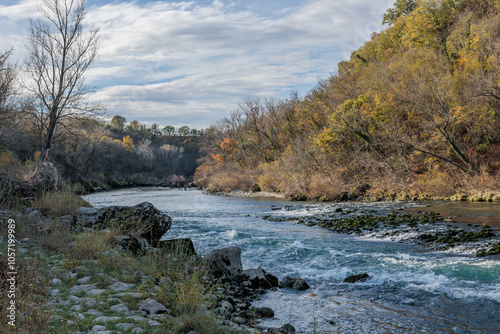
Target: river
{"type": "Point", "coordinates": [413, 289]}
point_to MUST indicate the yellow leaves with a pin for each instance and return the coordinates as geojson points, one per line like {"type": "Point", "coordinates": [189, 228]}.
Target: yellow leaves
{"type": "Point", "coordinates": [128, 143]}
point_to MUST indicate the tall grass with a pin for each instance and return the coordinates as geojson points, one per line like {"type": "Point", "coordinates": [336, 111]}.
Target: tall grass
{"type": "Point", "coordinates": [32, 316]}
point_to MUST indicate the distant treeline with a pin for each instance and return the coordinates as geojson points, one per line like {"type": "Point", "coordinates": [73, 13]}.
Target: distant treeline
{"type": "Point", "coordinates": [89, 149]}
{"type": "Point", "coordinates": [414, 111]}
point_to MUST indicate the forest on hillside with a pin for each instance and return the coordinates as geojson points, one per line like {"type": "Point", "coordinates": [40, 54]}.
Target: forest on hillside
{"type": "Point", "coordinates": [414, 113]}
{"type": "Point", "coordinates": [91, 152]}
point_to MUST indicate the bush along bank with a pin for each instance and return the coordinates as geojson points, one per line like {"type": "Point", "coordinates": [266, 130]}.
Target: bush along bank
{"type": "Point", "coordinates": [106, 270]}
{"type": "Point", "coordinates": [427, 229]}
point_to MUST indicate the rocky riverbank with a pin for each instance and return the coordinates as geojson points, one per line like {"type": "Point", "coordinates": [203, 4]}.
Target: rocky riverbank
{"type": "Point", "coordinates": [364, 192]}
{"type": "Point", "coordinates": [108, 271]}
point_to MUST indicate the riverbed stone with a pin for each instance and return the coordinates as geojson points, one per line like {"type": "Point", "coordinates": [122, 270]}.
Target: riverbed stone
{"type": "Point", "coordinates": [132, 244]}
{"type": "Point", "coordinates": [83, 287]}
{"type": "Point", "coordinates": [295, 283]}
{"type": "Point", "coordinates": [94, 312]}
{"type": "Point", "coordinates": [357, 278]}
{"type": "Point", "coordinates": [287, 329]}
{"type": "Point", "coordinates": [124, 326]}
{"type": "Point", "coordinates": [105, 319]}
{"type": "Point", "coordinates": [224, 262]}
{"type": "Point", "coordinates": [96, 292]}
{"type": "Point", "coordinates": [76, 308]}
{"type": "Point", "coordinates": [55, 281]}
{"type": "Point", "coordinates": [260, 278]}
{"type": "Point", "coordinates": [98, 328]}
{"type": "Point", "coordinates": [151, 223]}
{"type": "Point", "coordinates": [264, 312]}
{"type": "Point", "coordinates": [84, 280]}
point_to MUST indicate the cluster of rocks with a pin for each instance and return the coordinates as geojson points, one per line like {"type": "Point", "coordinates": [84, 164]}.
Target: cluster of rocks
{"type": "Point", "coordinates": [238, 288]}
{"type": "Point", "coordinates": [100, 301]}
{"type": "Point", "coordinates": [425, 228]}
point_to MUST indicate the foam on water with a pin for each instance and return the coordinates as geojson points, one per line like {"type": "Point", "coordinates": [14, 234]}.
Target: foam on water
{"type": "Point", "coordinates": [230, 234]}
{"type": "Point", "coordinates": [411, 286]}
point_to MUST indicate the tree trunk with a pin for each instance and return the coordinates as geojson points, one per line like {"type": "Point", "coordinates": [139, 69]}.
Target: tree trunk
{"type": "Point", "coordinates": [50, 133]}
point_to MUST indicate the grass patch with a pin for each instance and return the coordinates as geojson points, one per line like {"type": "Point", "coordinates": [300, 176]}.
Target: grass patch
{"type": "Point", "coordinates": [58, 204]}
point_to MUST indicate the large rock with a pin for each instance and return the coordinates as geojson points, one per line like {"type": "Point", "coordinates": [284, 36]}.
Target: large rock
{"type": "Point", "coordinates": [295, 283]}
{"type": "Point", "coordinates": [259, 278]}
{"type": "Point", "coordinates": [178, 246]}
{"type": "Point", "coordinates": [140, 221]}
{"type": "Point", "coordinates": [224, 262]}
{"type": "Point", "coordinates": [47, 177]}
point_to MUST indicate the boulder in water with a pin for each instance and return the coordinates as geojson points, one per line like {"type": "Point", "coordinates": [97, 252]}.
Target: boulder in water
{"type": "Point", "coordinates": [357, 278]}
{"type": "Point", "coordinates": [295, 283]}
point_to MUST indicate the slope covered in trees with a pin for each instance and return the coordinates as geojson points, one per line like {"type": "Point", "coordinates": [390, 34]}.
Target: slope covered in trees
{"type": "Point", "coordinates": [414, 111]}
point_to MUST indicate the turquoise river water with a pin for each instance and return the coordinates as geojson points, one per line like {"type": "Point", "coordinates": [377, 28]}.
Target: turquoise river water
{"type": "Point", "coordinates": [413, 289]}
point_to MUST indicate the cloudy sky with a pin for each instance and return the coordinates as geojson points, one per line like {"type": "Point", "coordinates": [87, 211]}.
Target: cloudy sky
{"type": "Point", "coordinates": [191, 62]}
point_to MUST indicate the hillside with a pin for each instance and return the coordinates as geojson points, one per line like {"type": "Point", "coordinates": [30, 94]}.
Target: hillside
{"type": "Point", "coordinates": [414, 113]}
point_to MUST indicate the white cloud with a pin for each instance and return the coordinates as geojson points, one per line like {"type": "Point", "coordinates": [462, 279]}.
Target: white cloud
{"type": "Point", "coordinates": [191, 62]}
{"type": "Point", "coordinates": [25, 9]}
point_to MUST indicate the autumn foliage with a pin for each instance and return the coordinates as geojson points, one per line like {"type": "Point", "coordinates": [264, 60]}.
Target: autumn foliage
{"type": "Point", "coordinates": [414, 111]}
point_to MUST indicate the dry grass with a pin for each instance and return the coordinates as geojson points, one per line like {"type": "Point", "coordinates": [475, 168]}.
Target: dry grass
{"type": "Point", "coordinates": [31, 295]}
{"type": "Point", "coordinates": [325, 188]}
{"type": "Point", "coordinates": [91, 245]}
{"type": "Point", "coordinates": [227, 181]}
{"type": "Point", "coordinates": [59, 203]}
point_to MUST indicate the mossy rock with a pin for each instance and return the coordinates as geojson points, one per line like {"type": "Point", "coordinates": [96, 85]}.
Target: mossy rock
{"type": "Point", "coordinates": [495, 249]}
{"type": "Point", "coordinates": [142, 220]}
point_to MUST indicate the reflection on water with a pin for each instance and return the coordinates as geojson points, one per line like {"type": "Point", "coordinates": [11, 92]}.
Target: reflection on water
{"type": "Point", "coordinates": [412, 290]}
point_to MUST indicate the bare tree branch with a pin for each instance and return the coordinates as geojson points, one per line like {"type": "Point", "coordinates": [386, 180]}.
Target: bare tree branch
{"type": "Point", "coordinates": [59, 54]}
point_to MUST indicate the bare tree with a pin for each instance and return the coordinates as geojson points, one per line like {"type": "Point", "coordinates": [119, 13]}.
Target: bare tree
{"type": "Point", "coordinates": [59, 53]}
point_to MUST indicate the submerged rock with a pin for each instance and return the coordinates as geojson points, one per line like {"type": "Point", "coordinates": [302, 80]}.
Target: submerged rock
{"type": "Point", "coordinates": [295, 283]}
{"type": "Point", "coordinates": [142, 220]}
{"type": "Point", "coordinates": [357, 278]}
